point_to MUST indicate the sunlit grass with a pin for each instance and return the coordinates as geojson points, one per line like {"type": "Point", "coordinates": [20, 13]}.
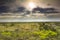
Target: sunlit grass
{"type": "Point", "coordinates": [29, 31]}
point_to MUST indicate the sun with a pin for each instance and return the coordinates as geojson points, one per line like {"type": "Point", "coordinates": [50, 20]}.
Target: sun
{"type": "Point", "coordinates": [31, 5]}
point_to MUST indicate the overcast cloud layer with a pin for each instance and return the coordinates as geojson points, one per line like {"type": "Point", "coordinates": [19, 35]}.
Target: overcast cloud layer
{"type": "Point", "coordinates": [14, 4]}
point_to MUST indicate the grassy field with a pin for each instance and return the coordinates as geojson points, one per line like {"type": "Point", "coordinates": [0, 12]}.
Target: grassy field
{"type": "Point", "coordinates": [30, 31]}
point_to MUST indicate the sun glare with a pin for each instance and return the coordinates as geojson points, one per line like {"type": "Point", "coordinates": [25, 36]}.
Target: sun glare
{"type": "Point", "coordinates": [31, 5]}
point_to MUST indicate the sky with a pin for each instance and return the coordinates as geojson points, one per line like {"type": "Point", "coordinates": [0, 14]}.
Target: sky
{"type": "Point", "coordinates": [17, 2]}
{"type": "Point", "coordinates": [13, 4]}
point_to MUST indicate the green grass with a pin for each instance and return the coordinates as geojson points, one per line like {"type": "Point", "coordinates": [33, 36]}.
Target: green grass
{"type": "Point", "coordinates": [30, 31]}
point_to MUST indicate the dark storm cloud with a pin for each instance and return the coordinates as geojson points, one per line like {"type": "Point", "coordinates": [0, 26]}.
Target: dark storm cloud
{"type": "Point", "coordinates": [6, 1]}
{"type": "Point", "coordinates": [10, 5]}
{"type": "Point", "coordinates": [4, 5]}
